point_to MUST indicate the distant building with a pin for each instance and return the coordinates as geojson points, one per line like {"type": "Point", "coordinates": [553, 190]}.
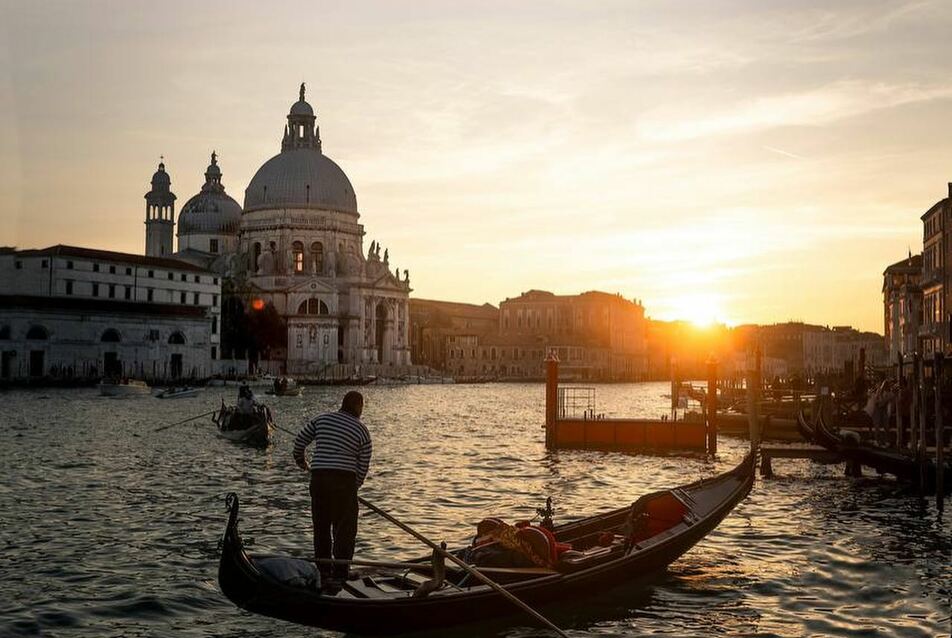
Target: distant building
{"type": "Point", "coordinates": [597, 335]}
{"type": "Point", "coordinates": [933, 332]}
{"type": "Point", "coordinates": [902, 306]}
{"type": "Point", "coordinates": [296, 244]}
{"type": "Point", "coordinates": [809, 349]}
{"type": "Point", "coordinates": [440, 329]}
{"type": "Point", "coordinates": [77, 312]}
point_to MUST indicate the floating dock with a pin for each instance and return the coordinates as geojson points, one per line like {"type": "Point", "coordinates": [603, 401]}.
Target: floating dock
{"type": "Point", "coordinates": [571, 422]}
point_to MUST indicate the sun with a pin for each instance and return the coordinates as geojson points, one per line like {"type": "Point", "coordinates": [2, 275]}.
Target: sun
{"type": "Point", "coordinates": [702, 310]}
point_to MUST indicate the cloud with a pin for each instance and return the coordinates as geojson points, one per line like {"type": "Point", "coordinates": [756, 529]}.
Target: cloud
{"type": "Point", "coordinates": [818, 106]}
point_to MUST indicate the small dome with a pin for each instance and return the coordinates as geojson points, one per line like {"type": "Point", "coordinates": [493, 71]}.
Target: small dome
{"type": "Point", "coordinates": [302, 108]}
{"type": "Point", "coordinates": [160, 176]}
{"type": "Point", "coordinates": [210, 212]}
{"type": "Point", "coordinates": [301, 178]}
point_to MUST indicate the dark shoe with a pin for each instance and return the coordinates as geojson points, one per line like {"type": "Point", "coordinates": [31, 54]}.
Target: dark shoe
{"type": "Point", "coordinates": [331, 587]}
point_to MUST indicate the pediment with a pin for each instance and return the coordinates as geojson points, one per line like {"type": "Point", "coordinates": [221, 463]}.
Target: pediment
{"type": "Point", "coordinates": [312, 286]}
{"type": "Point", "coordinates": [387, 282]}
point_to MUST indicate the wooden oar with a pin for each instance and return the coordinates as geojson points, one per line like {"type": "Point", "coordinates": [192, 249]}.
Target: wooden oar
{"type": "Point", "coordinates": [170, 425]}
{"type": "Point", "coordinates": [466, 566]}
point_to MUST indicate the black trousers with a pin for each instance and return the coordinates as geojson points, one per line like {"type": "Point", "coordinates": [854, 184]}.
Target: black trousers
{"type": "Point", "coordinates": [334, 516]}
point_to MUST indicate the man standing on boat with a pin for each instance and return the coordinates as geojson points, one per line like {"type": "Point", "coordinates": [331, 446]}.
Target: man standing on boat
{"type": "Point", "coordinates": [339, 464]}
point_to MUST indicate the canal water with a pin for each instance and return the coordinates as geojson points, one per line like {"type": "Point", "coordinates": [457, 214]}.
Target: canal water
{"type": "Point", "coordinates": [110, 529]}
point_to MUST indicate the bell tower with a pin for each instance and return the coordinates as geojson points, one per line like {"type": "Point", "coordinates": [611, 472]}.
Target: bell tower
{"type": "Point", "coordinates": [159, 215]}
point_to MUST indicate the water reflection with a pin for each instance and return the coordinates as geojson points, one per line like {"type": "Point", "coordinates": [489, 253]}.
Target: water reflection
{"type": "Point", "coordinates": [111, 529]}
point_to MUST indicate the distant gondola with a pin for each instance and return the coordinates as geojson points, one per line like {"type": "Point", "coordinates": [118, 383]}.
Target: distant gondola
{"type": "Point", "coordinates": [180, 392]}
{"type": "Point", "coordinates": [285, 387]}
{"type": "Point", "coordinates": [621, 545]}
{"type": "Point", "coordinates": [255, 428]}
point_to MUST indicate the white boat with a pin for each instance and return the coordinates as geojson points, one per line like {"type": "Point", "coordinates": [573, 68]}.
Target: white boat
{"type": "Point", "coordinates": [123, 387]}
{"type": "Point", "coordinates": [177, 392]}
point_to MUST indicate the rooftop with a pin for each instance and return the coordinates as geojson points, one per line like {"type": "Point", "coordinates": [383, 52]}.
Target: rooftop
{"type": "Point", "coordinates": [61, 250]}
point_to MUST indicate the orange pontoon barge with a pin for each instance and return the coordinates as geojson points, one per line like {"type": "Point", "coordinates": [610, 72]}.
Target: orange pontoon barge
{"type": "Point", "coordinates": [588, 431]}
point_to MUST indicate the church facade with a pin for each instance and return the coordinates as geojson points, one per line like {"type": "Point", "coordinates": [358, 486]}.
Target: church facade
{"type": "Point", "coordinates": [297, 244]}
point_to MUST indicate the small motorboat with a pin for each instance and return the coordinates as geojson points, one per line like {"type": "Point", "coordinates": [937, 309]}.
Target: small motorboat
{"type": "Point", "coordinates": [285, 387]}
{"type": "Point", "coordinates": [122, 387]}
{"type": "Point", "coordinates": [254, 426]}
{"type": "Point", "coordinates": [180, 392]}
{"type": "Point", "coordinates": [538, 564]}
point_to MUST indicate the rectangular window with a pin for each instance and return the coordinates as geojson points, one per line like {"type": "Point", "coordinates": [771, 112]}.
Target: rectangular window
{"type": "Point", "coordinates": [182, 298]}
{"type": "Point", "coordinates": [214, 353]}
{"type": "Point", "coordinates": [112, 270]}
{"type": "Point", "coordinates": [112, 291]}
{"type": "Point", "coordinates": [95, 290]}
{"type": "Point", "coordinates": [149, 294]}
{"type": "Point", "coordinates": [215, 281]}
{"type": "Point", "coordinates": [95, 267]}
{"type": "Point", "coordinates": [184, 277]}
{"type": "Point", "coordinates": [213, 245]}
{"type": "Point", "coordinates": [69, 287]}
{"type": "Point", "coordinates": [171, 276]}
{"type": "Point", "coordinates": [195, 298]}
{"type": "Point", "coordinates": [151, 274]}
{"type": "Point", "coordinates": [69, 265]}
{"type": "Point", "coordinates": [128, 271]}
{"type": "Point", "coordinates": [198, 279]}
{"type": "Point", "coordinates": [214, 325]}
{"type": "Point", "coordinates": [128, 292]}
{"type": "Point", "coordinates": [19, 265]}
{"type": "Point", "coordinates": [214, 300]}
{"type": "Point", "coordinates": [46, 264]}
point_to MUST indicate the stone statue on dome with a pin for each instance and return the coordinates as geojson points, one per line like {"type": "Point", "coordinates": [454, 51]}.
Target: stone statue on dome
{"type": "Point", "coordinates": [302, 92]}
{"type": "Point", "coordinates": [386, 256]}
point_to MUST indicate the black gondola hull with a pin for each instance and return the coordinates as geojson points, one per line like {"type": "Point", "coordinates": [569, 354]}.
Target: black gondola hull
{"type": "Point", "coordinates": [248, 588]}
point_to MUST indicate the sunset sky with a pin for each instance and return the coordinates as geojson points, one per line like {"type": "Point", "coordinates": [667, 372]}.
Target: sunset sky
{"type": "Point", "coordinates": [742, 161]}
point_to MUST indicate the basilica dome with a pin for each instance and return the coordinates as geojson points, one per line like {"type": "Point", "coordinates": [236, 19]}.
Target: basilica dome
{"type": "Point", "coordinates": [301, 176]}
{"type": "Point", "coordinates": [211, 211]}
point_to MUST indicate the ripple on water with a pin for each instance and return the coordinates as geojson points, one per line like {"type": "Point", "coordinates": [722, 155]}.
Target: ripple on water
{"type": "Point", "coordinates": [115, 528]}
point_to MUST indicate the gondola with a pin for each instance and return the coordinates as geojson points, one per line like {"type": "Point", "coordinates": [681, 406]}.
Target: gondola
{"type": "Point", "coordinates": [805, 427]}
{"type": "Point", "coordinates": [625, 544]}
{"type": "Point", "coordinates": [883, 460]}
{"type": "Point", "coordinates": [824, 435]}
{"type": "Point", "coordinates": [255, 428]}
{"type": "Point", "coordinates": [285, 387]}
{"type": "Point", "coordinates": [182, 392]}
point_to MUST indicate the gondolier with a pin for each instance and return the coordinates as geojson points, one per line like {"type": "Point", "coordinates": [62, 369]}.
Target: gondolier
{"type": "Point", "coordinates": [339, 464]}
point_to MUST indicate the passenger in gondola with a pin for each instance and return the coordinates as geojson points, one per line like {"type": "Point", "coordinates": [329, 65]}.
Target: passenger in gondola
{"type": "Point", "coordinates": [246, 399]}
{"type": "Point", "coordinates": [338, 467]}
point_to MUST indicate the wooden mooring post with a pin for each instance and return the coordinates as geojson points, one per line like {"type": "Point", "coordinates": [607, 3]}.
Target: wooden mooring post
{"type": "Point", "coordinates": [551, 398]}
{"type": "Point", "coordinates": [899, 395]}
{"type": "Point", "coordinates": [712, 406]}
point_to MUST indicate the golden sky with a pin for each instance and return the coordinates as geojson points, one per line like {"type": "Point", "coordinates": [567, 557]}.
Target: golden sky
{"type": "Point", "coordinates": [744, 161]}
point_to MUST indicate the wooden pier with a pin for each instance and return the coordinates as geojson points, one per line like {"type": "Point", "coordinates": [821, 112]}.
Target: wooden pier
{"type": "Point", "coordinates": [811, 452]}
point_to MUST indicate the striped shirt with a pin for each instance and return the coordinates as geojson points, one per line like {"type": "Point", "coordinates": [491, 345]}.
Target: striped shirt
{"type": "Point", "coordinates": [341, 442]}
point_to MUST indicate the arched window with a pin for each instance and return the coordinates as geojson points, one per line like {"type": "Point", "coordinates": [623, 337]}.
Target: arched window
{"type": "Point", "coordinates": [317, 257]}
{"type": "Point", "coordinates": [255, 256]}
{"type": "Point", "coordinates": [37, 332]}
{"type": "Point", "coordinates": [297, 249]}
{"type": "Point", "coordinates": [110, 336]}
{"type": "Point", "coordinates": [177, 338]}
{"type": "Point", "coordinates": [313, 306]}
{"type": "Point", "coordinates": [5, 332]}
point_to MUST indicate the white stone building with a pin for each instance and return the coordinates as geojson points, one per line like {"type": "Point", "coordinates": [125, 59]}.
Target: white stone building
{"type": "Point", "coordinates": [76, 312]}
{"type": "Point", "coordinates": [298, 244]}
